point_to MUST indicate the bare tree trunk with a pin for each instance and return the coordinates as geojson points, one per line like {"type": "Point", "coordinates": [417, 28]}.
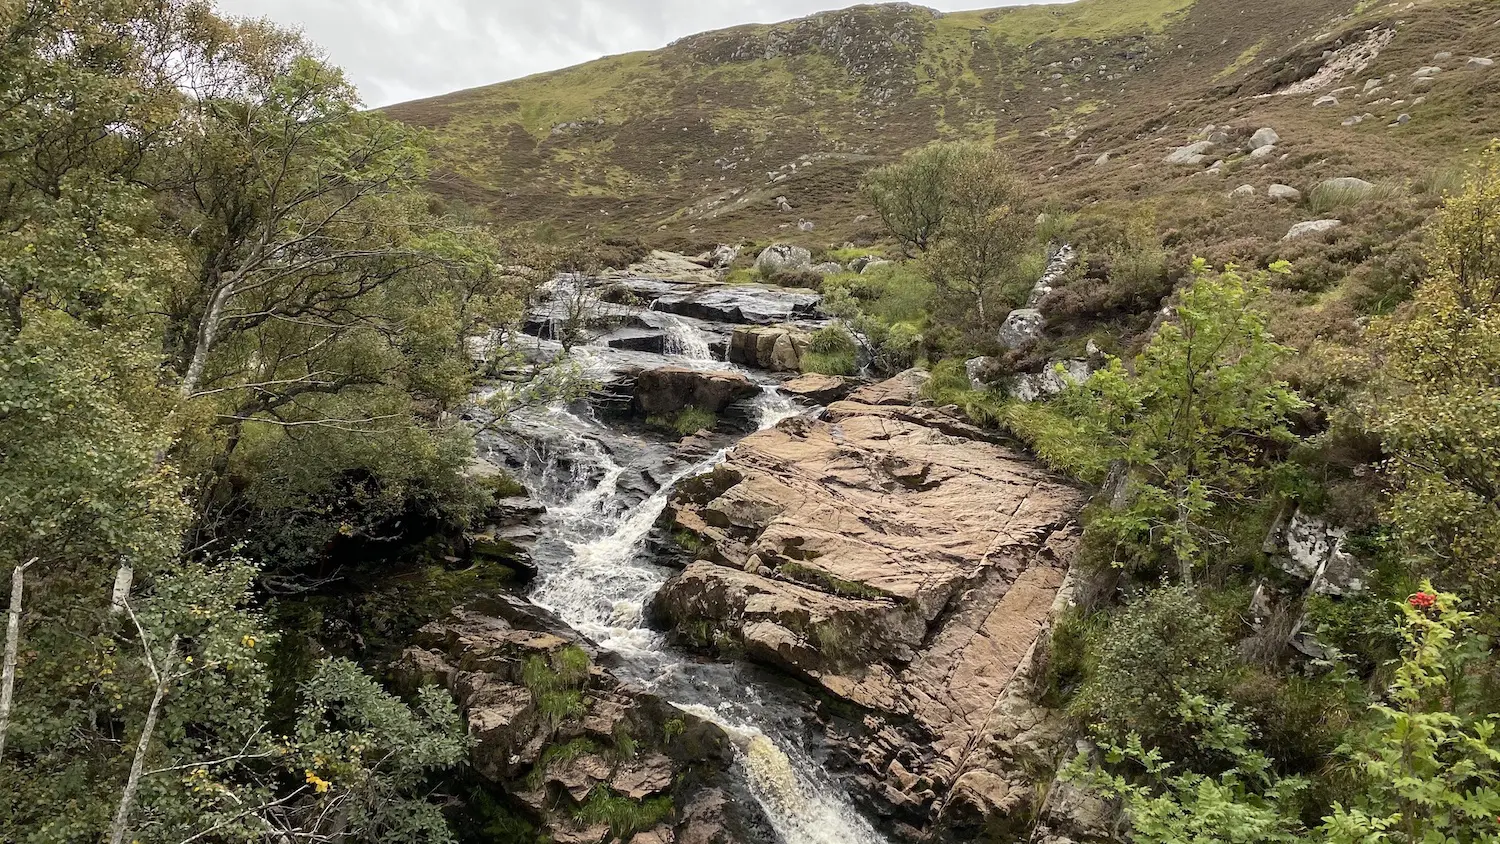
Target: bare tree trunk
{"type": "Point", "coordinates": [12, 641]}
{"type": "Point", "coordinates": [138, 765]}
{"type": "Point", "coordinates": [124, 577]}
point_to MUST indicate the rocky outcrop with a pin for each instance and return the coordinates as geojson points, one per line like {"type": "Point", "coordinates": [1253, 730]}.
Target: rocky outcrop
{"type": "Point", "coordinates": [1312, 227]}
{"type": "Point", "coordinates": [898, 559]}
{"type": "Point", "coordinates": [672, 389]}
{"type": "Point", "coordinates": [776, 348]}
{"type": "Point", "coordinates": [820, 389]}
{"type": "Point", "coordinates": [554, 732]}
{"type": "Point", "coordinates": [782, 258]}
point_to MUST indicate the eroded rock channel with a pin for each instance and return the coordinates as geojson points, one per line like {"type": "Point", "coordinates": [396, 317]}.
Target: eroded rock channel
{"type": "Point", "coordinates": [821, 632]}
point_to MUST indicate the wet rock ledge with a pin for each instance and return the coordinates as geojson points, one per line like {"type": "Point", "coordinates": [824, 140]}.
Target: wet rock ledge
{"type": "Point", "coordinates": [904, 563]}
{"type": "Point", "coordinates": [571, 750]}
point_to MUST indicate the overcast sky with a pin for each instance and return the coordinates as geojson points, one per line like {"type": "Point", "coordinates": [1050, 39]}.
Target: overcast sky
{"type": "Point", "coordinates": [398, 50]}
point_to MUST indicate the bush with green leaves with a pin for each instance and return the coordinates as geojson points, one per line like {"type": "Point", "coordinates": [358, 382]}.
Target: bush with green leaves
{"type": "Point", "coordinates": [833, 351]}
{"type": "Point", "coordinates": [1163, 649]}
{"type": "Point", "coordinates": [1186, 428]}
{"type": "Point", "coordinates": [1425, 769]}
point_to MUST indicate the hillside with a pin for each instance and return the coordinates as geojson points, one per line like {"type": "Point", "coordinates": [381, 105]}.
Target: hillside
{"type": "Point", "coordinates": [696, 142]}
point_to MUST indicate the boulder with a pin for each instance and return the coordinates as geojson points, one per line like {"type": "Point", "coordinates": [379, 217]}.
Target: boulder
{"type": "Point", "coordinates": [1372, 85]}
{"type": "Point", "coordinates": [828, 268]}
{"type": "Point", "coordinates": [1243, 192]}
{"type": "Point", "coordinates": [672, 389]}
{"type": "Point", "coordinates": [1284, 193]}
{"type": "Point", "coordinates": [1192, 154]}
{"type": "Point", "coordinates": [739, 304]}
{"type": "Point", "coordinates": [820, 389]}
{"type": "Point", "coordinates": [1478, 63]}
{"type": "Point", "coordinates": [780, 258]}
{"type": "Point", "coordinates": [983, 372]}
{"type": "Point", "coordinates": [1346, 185]}
{"type": "Point", "coordinates": [903, 389]}
{"type": "Point", "coordinates": [1263, 152]}
{"type": "Point", "coordinates": [1326, 100]}
{"type": "Point", "coordinates": [806, 225]}
{"type": "Point", "coordinates": [1023, 326]}
{"type": "Point", "coordinates": [721, 256]}
{"type": "Point", "coordinates": [1102, 160]}
{"type": "Point", "coordinates": [864, 262]}
{"type": "Point", "coordinates": [1313, 551]}
{"type": "Point", "coordinates": [776, 348]}
{"type": "Point", "coordinates": [1053, 379]}
{"type": "Point", "coordinates": [1312, 227]}
{"type": "Point", "coordinates": [1265, 137]}
{"type": "Point", "coordinates": [1426, 72]}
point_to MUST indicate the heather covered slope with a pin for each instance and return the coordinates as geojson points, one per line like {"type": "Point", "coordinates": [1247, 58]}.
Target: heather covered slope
{"type": "Point", "coordinates": [696, 142]}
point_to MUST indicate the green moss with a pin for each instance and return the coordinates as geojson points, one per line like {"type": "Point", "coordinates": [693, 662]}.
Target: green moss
{"type": "Point", "coordinates": [673, 728]}
{"type": "Point", "coordinates": [836, 585]}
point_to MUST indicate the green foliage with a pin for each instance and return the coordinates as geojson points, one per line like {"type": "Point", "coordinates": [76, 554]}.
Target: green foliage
{"type": "Point", "coordinates": [985, 231]}
{"type": "Point", "coordinates": [1244, 804]}
{"type": "Point", "coordinates": [690, 421]}
{"type": "Point", "coordinates": [365, 749]}
{"type": "Point", "coordinates": [1436, 404]}
{"type": "Point", "coordinates": [556, 682]}
{"type": "Point", "coordinates": [1189, 425]}
{"type": "Point", "coordinates": [911, 196]}
{"type": "Point", "coordinates": [623, 816]}
{"type": "Point", "coordinates": [949, 386]}
{"type": "Point", "coordinates": [1163, 650]}
{"type": "Point", "coordinates": [1431, 772]}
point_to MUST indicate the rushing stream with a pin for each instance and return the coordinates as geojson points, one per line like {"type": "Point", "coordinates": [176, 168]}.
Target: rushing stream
{"type": "Point", "coordinates": [596, 573]}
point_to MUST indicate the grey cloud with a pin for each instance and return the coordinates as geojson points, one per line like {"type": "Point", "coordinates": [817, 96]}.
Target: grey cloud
{"type": "Point", "coordinates": [397, 50]}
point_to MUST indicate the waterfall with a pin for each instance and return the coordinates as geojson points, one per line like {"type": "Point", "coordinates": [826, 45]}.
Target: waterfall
{"type": "Point", "coordinates": [685, 341]}
{"type": "Point", "coordinates": [596, 574]}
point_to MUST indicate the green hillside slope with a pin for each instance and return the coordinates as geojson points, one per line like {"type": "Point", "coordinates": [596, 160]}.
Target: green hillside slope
{"type": "Point", "coordinates": [695, 142]}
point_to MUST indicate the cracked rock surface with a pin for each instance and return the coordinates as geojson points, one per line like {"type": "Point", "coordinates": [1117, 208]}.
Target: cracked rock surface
{"type": "Point", "coordinates": [901, 561]}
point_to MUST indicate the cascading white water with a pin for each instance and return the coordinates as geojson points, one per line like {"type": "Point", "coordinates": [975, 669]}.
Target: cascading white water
{"type": "Point", "coordinates": [802, 810]}
{"type": "Point", "coordinates": [683, 340]}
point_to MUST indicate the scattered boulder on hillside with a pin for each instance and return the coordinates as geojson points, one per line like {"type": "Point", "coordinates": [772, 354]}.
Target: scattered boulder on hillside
{"type": "Point", "coordinates": [1346, 185]}
{"type": "Point", "coordinates": [983, 372]}
{"type": "Point", "coordinates": [780, 258]}
{"type": "Point", "coordinates": [1243, 192]}
{"type": "Point", "coordinates": [1325, 100]}
{"type": "Point", "coordinates": [1053, 379]}
{"type": "Point", "coordinates": [1265, 137]}
{"type": "Point", "coordinates": [1313, 551]}
{"type": "Point", "coordinates": [722, 256]}
{"type": "Point", "coordinates": [1102, 160]}
{"type": "Point", "coordinates": [1263, 152]}
{"type": "Point", "coordinates": [864, 262]}
{"type": "Point", "coordinates": [669, 390]}
{"type": "Point", "coordinates": [782, 204]}
{"type": "Point", "coordinates": [1426, 72]}
{"type": "Point", "coordinates": [820, 389]}
{"type": "Point", "coordinates": [1372, 85]}
{"type": "Point", "coordinates": [1023, 326]}
{"type": "Point", "coordinates": [1401, 119]}
{"type": "Point", "coordinates": [1284, 193]}
{"type": "Point", "coordinates": [776, 348]}
{"type": "Point", "coordinates": [1192, 154]}
{"type": "Point", "coordinates": [1478, 63]}
{"type": "Point", "coordinates": [1312, 227]}
{"type": "Point", "coordinates": [806, 225]}
{"type": "Point", "coordinates": [828, 268]}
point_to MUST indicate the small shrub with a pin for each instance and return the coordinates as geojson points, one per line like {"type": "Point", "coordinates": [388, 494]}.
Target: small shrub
{"type": "Point", "coordinates": [949, 386]}
{"type": "Point", "coordinates": [623, 816]}
{"type": "Point", "coordinates": [1328, 199]}
{"type": "Point", "coordinates": [556, 681]}
{"type": "Point", "coordinates": [1160, 651]}
{"type": "Point", "coordinates": [693, 420]}
{"type": "Point", "coordinates": [829, 364]}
